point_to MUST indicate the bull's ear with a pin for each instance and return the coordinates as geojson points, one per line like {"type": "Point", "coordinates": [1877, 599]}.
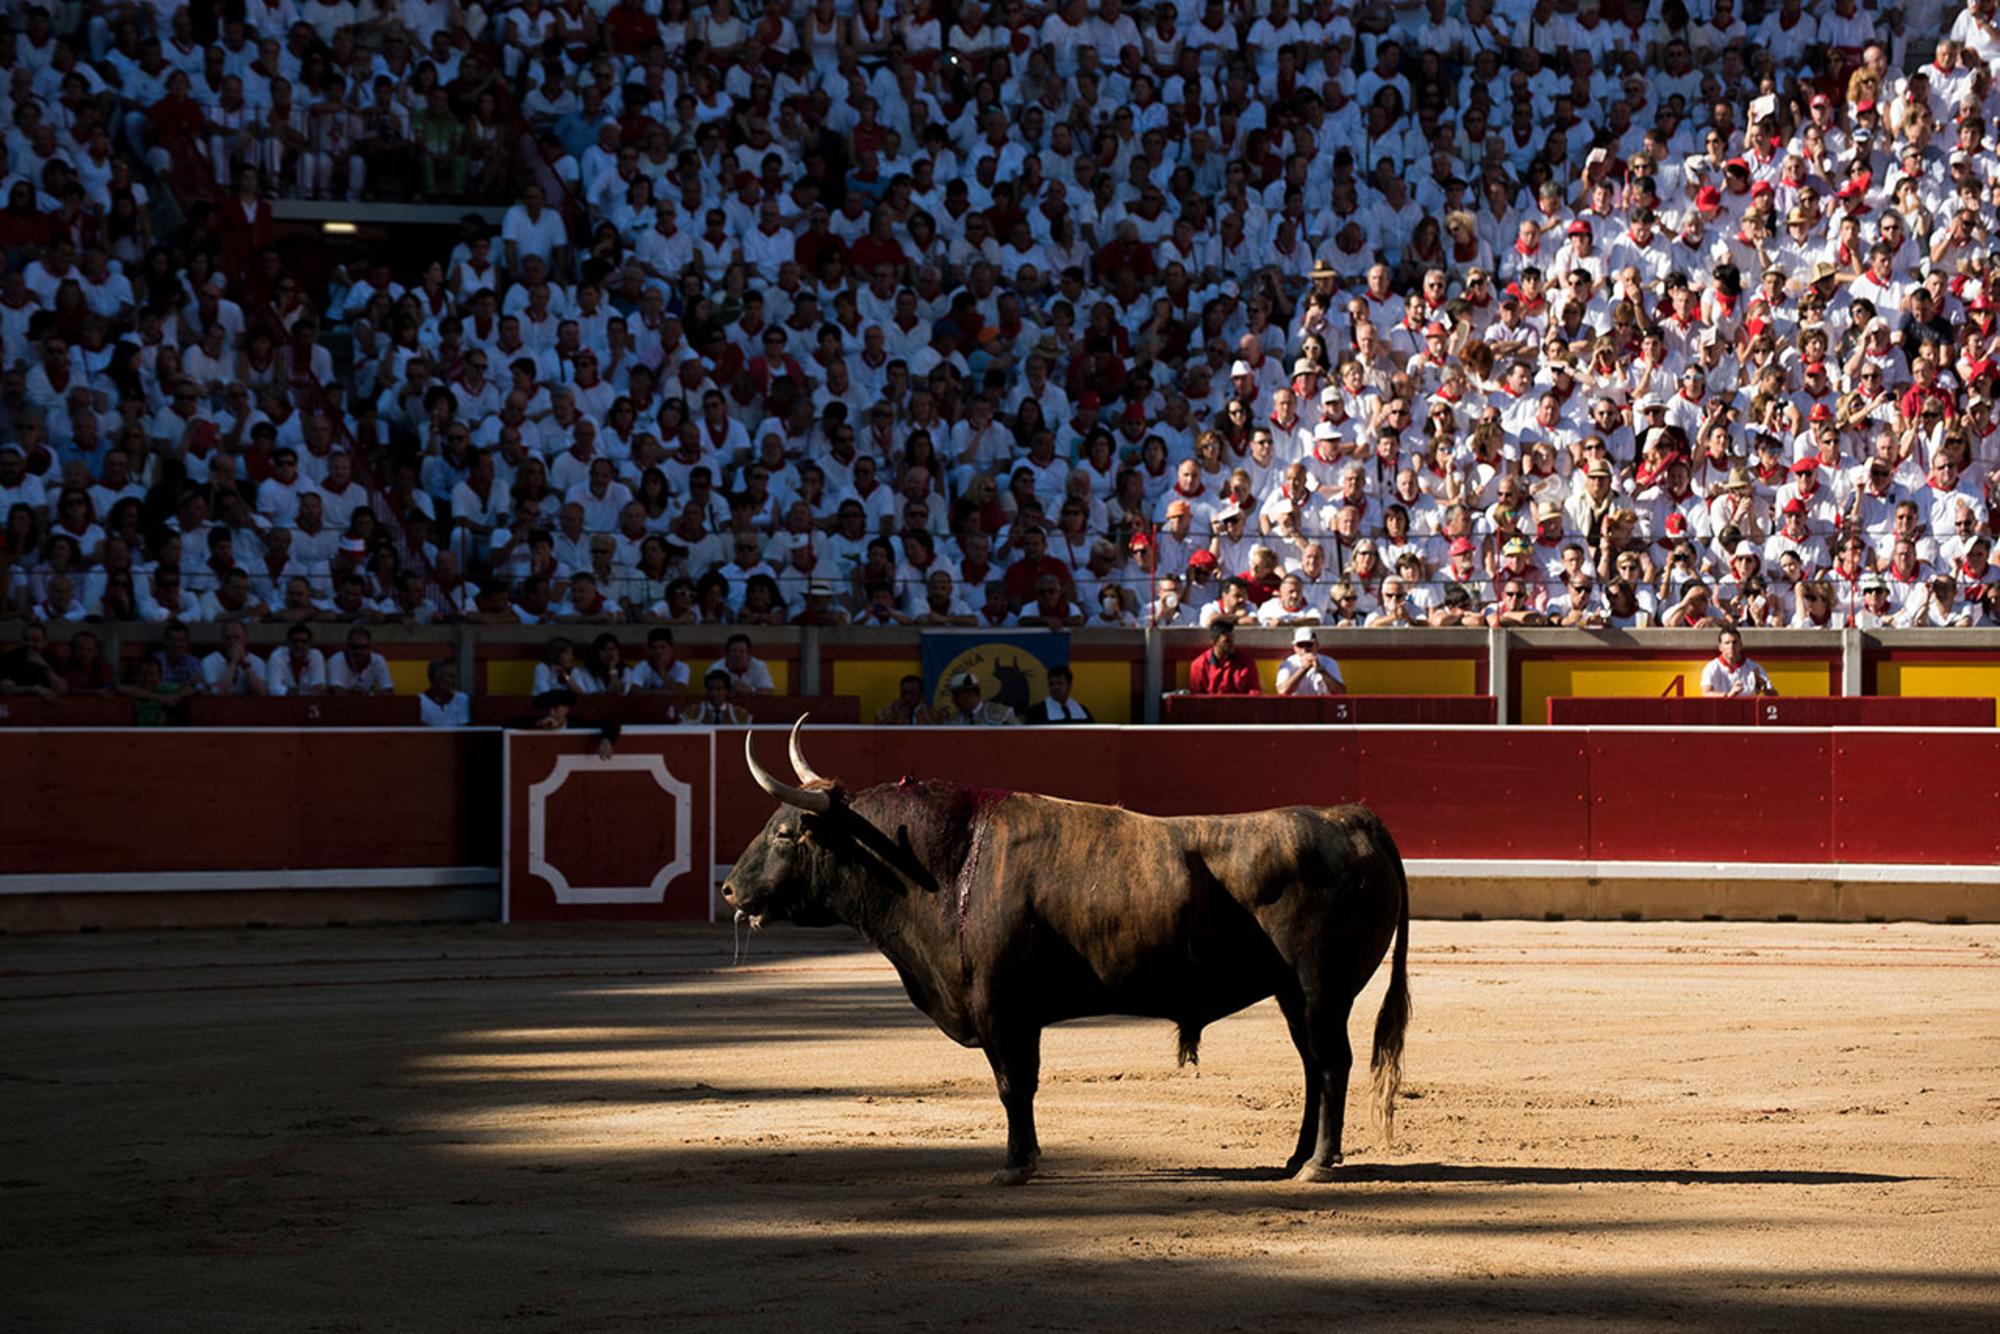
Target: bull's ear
{"type": "Point", "coordinates": [815, 823]}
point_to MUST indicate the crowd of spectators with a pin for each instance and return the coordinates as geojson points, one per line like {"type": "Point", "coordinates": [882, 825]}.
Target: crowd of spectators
{"type": "Point", "coordinates": [891, 312]}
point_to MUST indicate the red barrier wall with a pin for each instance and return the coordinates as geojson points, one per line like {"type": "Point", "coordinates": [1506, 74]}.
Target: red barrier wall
{"type": "Point", "coordinates": [1281, 710]}
{"type": "Point", "coordinates": [624, 836]}
{"type": "Point", "coordinates": [1500, 793]}
{"type": "Point", "coordinates": [188, 800]}
{"type": "Point", "coordinates": [1770, 711]}
{"type": "Point", "coordinates": [134, 802]}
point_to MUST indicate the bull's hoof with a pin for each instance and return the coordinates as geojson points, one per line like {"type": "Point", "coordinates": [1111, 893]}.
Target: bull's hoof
{"type": "Point", "coordinates": [1012, 1175]}
{"type": "Point", "coordinates": [1319, 1171]}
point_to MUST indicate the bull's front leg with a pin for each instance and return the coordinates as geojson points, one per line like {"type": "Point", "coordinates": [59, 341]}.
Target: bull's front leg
{"type": "Point", "coordinates": [1017, 1064]}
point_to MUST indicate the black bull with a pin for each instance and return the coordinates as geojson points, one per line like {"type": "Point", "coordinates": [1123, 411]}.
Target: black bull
{"type": "Point", "coordinates": [1005, 912]}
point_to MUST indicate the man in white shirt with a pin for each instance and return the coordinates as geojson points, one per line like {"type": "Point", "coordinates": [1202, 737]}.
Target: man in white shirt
{"type": "Point", "coordinates": [444, 704]}
{"type": "Point", "coordinates": [233, 669]}
{"type": "Point", "coordinates": [1732, 674]}
{"type": "Point", "coordinates": [747, 674]}
{"type": "Point", "coordinates": [1308, 671]}
{"type": "Point", "coordinates": [296, 668]}
{"type": "Point", "coordinates": [359, 670]}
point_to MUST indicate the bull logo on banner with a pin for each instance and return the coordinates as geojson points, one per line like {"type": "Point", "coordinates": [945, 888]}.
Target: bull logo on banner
{"type": "Point", "coordinates": [1012, 666]}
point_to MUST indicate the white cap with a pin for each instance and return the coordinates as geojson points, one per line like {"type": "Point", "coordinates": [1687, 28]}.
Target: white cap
{"type": "Point", "coordinates": [1304, 635]}
{"type": "Point", "coordinates": [1326, 431]}
{"type": "Point", "coordinates": [1240, 368]}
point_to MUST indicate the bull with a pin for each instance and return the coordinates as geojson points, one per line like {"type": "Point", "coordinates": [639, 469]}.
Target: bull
{"type": "Point", "coordinates": [1004, 912]}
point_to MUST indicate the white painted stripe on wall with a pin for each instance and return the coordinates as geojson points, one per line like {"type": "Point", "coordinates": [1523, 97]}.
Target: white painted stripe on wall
{"type": "Point", "coordinates": [365, 877]}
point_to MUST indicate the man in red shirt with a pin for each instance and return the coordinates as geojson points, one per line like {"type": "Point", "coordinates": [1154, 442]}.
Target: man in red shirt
{"type": "Point", "coordinates": [1219, 671]}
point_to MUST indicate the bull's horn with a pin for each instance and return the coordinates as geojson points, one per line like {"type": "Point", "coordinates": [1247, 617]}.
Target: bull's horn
{"type": "Point", "coordinates": [806, 799]}
{"type": "Point", "coordinates": [800, 768]}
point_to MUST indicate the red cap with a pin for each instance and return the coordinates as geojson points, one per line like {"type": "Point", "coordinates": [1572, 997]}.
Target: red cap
{"type": "Point", "coordinates": [1820, 413]}
{"type": "Point", "coordinates": [1461, 546]}
{"type": "Point", "coordinates": [1202, 559]}
{"type": "Point", "coordinates": [1579, 228]}
{"type": "Point", "coordinates": [1761, 188]}
{"type": "Point", "coordinates": [1795, 506]}
{"type": "Point", "coordinates": [1864, 105]}
{"type": "Point", "coordinates": [1807, 464]}
{"type": "Point", "coordinates": [1090, 400]}
{"type": "Point", "coordinates": [1815, 368]}
{"type": "Point", "coordinates": [1676, 524]}
{"type": "Point", "coordinates": [1139, 542]}
{"type": "Point", "coordinates": [1136, 412]}
{"type": "Point", "coordinates": [1737, 164]}
{"type": "Point", "coordinates": [1434, 328]}
{"type": "Point", "coordinates": [1708, 197]}
{"type": "Point", "coordinates": [1821, 100]}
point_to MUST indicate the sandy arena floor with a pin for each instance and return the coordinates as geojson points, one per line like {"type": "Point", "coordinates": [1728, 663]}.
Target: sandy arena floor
{"type": "Point", "coordinates": [1702, 1126]}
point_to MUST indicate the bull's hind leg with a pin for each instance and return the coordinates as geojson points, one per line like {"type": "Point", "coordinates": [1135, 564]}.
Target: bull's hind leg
{"type": "Point", "coordinates": [1326, 1027]}
{"type": "Point", "coordinates": [1017, 1064]}
{"type": "Point", "coordinates": [1294, 1007]}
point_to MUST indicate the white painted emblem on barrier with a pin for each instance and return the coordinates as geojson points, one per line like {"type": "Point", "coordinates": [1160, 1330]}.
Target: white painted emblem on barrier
{"type": "Point", "coordinates": [539, 864]}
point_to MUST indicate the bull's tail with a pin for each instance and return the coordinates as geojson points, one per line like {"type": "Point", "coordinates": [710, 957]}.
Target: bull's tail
{"type": "Point", "coordinates": [1386, 1065]}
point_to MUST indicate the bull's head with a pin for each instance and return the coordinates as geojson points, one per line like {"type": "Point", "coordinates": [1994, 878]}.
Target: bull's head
{"type": "Point", "coordinates": [787, 868]}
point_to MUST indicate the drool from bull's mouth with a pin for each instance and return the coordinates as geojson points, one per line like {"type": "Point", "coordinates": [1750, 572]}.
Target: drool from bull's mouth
{"type": "Point", "coordinates": [998, 913]}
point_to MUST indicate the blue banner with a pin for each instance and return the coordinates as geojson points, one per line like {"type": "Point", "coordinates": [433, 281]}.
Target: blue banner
{"type": "Point", "coordinates": [1012, 665]}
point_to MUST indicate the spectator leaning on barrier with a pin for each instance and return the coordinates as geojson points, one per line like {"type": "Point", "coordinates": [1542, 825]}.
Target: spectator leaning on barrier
{"type": "Point", "coordinates": [1731, 673]}
{"type": "Point", "coordinates": [358, 669]}
{"type": "Point", "coordinates": [662, 672]}
{"type": "Point", "coordinates": [1220, 670]}
{"type": "Point", "coordinates": [233, 669]}
{"type": "Point", "coordinates": [442, 703]}
{"type": "Point", "coordinates": [1307, 671]}
{"type": "Point", "coordinates": [748, 675]}
{"type": "Point", "coordinates": [296, 667]}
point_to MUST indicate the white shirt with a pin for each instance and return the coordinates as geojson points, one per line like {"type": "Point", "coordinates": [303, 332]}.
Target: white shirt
{"type": "Point", "coordinates": [1319, 683]}
{"type": "Point", "coordinates": [214, 665]}
{"type": "Point", "coordinates": [373, 679]}
{"type": "Point", "coordinates": [458, 713]}
{"type": "Point", "coordinates": [754, 678]}
{"type": "Point", "coordinates": [278, 673]}
{"type": "Point", "coordinates": [1746, 678]}
{"type": "Point", "coordinates": [644, 678]}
